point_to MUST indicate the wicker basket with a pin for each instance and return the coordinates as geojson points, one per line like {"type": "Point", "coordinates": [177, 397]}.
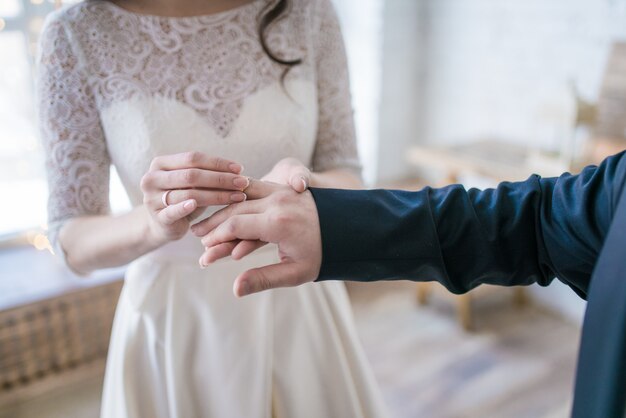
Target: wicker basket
{"type": "Point", "coordinates": [49, 338]}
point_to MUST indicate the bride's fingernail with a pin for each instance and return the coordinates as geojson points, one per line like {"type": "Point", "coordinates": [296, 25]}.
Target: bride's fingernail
{"type": "Point", "coordinates": [303, 182]}
{"type": "Point", "coordinates": [244, 288]}
{"type": "Point", "coordinates": [241, 182]}
{"type": "Point", "coordinates": [188, 204]}
{"type": "Point", "coordinates": [237, 197]}
{"type": "Point", "coordinates": [236, 168]}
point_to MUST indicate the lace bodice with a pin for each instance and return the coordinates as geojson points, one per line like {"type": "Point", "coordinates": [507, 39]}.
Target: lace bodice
{"type": "Point", "coordinates": [120, 87]}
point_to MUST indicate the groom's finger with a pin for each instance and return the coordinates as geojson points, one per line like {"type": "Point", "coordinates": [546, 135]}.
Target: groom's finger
{"type": "Point", "coordinates": [283, 274]}
{"type": "Point", "coordinates": [246, 247]}
{"type": "Point", "coordinates": [213, 254]}
{"type": "Point", "coordinates": [207, 225]}
{"type": "Point", "coordinates": [246, 226]}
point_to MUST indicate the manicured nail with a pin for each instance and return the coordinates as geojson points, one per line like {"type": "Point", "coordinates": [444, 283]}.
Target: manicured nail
{"type": "Point", "coordinates": [241, 183]}
{"type": "Point", "coordinates": [188, 204]}
{"type": "Point", "coordinates": [303, 182]}
{"type": "Point", "coordinates": [244, 288]}
{"type": "Point", "coordinates": [235, 168]}
{"type": "Point", "coordinates": [238, 197]}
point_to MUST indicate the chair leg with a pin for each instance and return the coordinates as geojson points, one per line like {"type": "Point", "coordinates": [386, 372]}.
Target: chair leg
{"type": "Point", "coordinates": [520, 297]}
{"type": "Point", "coordinates": [464, 311]}
{"type": "Point", "coordinates": [423, 292]}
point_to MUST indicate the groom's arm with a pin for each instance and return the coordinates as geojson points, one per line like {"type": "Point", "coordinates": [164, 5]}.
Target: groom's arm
{"type": "Point", "coordinates": [516, 234]}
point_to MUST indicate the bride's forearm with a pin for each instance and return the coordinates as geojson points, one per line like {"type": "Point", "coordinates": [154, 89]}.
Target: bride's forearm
{"type": "Point", "coordinates": [96, 242]}
{"type": "Point", "coordinates": [336, 178]}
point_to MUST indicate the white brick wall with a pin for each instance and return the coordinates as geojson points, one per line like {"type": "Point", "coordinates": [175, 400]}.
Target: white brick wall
{"type": "Point", "coordinates": [500, 68]}
{"type": "Point", "coordinates": [461, 70]}
{"type": "Point", "coordinates": [362, 23]}
{"type": "Point", "coordinates": [445, 71]}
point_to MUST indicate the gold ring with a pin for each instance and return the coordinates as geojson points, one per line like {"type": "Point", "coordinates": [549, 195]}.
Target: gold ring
{"type": "Point", "coordinates": [249, 183]}
{"type": "Point", "coordinates": [164, 198]}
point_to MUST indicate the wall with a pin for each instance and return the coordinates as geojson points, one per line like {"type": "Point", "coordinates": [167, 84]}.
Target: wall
{"type": "Point", "coordinates": [362, 23]}
{"type": "Point", "coordinates": [502, 68]}
{"type": "Point", "coordinates": [403, 71]}
{"type": "Point", "coordinates": [450, 71]}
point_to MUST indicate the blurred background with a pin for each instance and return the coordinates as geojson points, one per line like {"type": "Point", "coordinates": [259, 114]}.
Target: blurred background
{"type": "Point", "coordinates": [467, 91]}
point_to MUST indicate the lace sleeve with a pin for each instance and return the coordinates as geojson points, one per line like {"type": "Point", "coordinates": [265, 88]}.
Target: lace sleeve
{"type": "Point", "coordinates": [77, 161]}
{"type": "Point", "coordinates": [336, 139]}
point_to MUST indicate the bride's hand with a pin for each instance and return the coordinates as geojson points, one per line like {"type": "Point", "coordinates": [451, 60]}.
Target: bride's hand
{"type": "Point", "coordinates": [178, 184]}
{"type": "Point", "coordinates": [292, 172]}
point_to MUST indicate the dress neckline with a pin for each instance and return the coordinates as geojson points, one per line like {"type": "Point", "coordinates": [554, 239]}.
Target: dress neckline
{"type": "Point", "coordinates": [220, 14]}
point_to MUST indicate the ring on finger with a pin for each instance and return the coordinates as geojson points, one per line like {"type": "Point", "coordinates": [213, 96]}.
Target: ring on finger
{"type": "Point", "coordinates": [164, 198]}
{"type": "Point", "coordinates": [249, 183]}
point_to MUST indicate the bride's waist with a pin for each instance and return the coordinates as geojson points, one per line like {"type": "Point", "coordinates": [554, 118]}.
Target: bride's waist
{"type": "Point", "coordinates": [187, 248]}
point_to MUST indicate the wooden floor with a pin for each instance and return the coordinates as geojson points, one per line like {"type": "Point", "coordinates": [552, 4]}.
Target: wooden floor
{"type": "Point", "coordinates": [518, 363]}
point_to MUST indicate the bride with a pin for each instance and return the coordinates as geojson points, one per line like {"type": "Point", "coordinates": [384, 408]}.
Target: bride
{"type": "Point", "coordinates": [179, 96]}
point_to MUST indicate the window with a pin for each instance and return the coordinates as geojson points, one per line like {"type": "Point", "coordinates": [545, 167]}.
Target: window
{"type": "Point", "coordinates": [22, 181]}
{"type": "Point", "coordinates": [22, 178]}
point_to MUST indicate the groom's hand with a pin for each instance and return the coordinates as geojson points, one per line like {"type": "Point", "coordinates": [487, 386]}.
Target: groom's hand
{"type": "Point", "coordinates": [281, 216]}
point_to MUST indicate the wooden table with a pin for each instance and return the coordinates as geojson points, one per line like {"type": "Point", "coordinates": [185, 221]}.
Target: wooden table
{"type": "Point", "coordinates": [54, 328]}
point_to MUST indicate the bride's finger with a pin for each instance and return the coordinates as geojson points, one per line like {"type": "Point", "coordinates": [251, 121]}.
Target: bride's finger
{"type": "Point", "coordinates": [194, 159]}
{"type": "Point", "coordinates": [217, 252]}
{"type": "Point", "coordinates": [188, 178]}
{"type": "Point", "coordinates": [243, 248]}
{"type": "Point", "coordinates": [176, 212]}
{"type": "Point", "coordinates": [203, 197]}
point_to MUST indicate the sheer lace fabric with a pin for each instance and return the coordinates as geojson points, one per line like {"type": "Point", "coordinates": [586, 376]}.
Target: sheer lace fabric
{"type": "Point", "coordinates": [94, 55]}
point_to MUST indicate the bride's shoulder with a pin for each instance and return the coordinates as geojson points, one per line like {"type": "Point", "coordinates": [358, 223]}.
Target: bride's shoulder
{"type": "Point", "coordinates": [79, 16]}
{"type": "Point", "coordinates": [312, 5]}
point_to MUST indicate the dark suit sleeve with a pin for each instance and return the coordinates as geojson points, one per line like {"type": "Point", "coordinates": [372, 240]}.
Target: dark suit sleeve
{"type": "Point", "coordinates": [517, 234]}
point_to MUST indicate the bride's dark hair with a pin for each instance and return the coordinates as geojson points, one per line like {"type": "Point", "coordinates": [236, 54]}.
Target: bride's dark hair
{"type": "Point", "coordinates": [273, 12]}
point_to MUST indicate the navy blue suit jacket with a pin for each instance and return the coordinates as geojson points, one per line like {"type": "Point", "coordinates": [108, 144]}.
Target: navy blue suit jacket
{"type": "Point", "coordinates": [516, 234]}
{"type": "Point", "coordinates": [572, 227]}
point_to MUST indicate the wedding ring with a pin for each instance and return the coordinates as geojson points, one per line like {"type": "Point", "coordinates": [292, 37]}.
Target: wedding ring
{"type": "Point", "coordinates": [249, 183]}
{"type": "Point", "coordinates": [164, 198]}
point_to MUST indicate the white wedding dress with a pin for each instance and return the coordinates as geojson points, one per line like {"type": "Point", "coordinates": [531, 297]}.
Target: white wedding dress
{"type": "Point", "coordinates": [120, 88]}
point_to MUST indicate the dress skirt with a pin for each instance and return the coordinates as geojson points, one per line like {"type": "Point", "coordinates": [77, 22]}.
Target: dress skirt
{"type": "Point", "coordinates": [184, 346]}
